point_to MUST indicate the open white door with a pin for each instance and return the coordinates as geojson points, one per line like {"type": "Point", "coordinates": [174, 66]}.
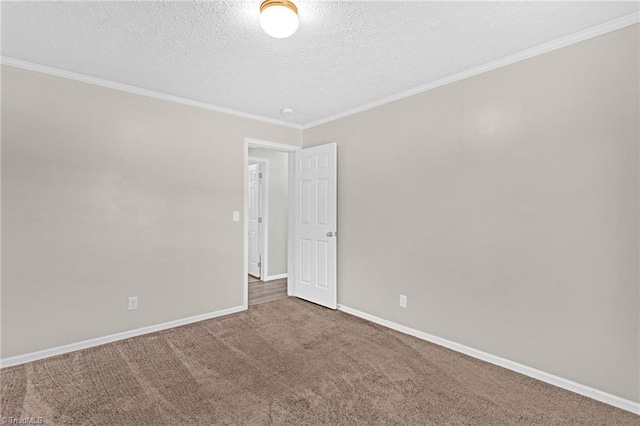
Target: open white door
{"type": "Point", "coordinates": [316, 217]}
{"type": "Point", "coordinates": [254, 220]}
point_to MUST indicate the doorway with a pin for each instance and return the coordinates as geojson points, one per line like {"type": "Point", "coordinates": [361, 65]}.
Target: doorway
{"type": "Point", "coordinates": [302, 252]}
{"type": "Point", "coordinates": [267, 221]}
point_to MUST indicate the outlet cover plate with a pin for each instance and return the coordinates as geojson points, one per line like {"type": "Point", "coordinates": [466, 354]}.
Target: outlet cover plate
{"type": "Point", "coordinates": [403, 301]}
{"type": "Point", "coordinates": [133, 303]}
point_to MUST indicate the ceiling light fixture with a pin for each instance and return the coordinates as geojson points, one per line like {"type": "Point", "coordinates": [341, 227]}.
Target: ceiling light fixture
{"type": "Point", "coordinates": [279, 18]}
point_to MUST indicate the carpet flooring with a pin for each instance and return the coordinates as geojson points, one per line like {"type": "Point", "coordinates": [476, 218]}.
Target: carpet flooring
{"type": "Point", "coordinates": [286, 362]}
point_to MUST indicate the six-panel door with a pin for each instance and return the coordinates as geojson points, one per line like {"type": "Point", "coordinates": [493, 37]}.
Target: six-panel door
{"type": "Point", "coordinates": [316, 224]}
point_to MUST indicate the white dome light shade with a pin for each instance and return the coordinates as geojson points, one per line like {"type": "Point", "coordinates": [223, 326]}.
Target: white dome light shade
{"type": "Point", "coordinates": [279, 18]}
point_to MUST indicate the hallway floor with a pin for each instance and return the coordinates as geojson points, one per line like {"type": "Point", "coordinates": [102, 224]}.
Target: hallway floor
{"type": "Point", "coordinates": [260, 291]}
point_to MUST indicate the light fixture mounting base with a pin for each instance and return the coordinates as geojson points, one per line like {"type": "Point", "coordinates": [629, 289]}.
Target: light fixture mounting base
{"type": "Point", "coordinates": [286, 3]}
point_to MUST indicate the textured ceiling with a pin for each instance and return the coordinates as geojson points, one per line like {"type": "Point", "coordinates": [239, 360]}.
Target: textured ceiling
{"type": "Point", "coordinates": [344, 54]}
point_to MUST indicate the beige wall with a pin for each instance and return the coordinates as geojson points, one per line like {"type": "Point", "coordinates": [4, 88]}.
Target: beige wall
{"type": "Point", "coordinates": [107, 195]}
{"type": "Point", "coordinates": [278, 206]}
{"type": "Point", "coordinates": [505, 206]}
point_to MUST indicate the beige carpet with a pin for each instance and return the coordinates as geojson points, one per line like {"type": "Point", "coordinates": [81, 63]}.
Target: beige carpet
{"type": "Point", "coordinates": [286, 362]}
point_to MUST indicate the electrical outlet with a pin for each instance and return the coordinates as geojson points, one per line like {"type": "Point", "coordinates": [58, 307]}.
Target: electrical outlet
{"type": "Point", "coordinates": [403, 301]}
{"type": "Point", "coordinates": [133, 303]}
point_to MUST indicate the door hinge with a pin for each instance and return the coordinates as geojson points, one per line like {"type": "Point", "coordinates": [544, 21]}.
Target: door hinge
{"type": "Point", "coordinates": [259, 264]}
{"type": "Point", "coordinates": [259, 175]}
{"type": "Point", "coordinates": [259, 220]}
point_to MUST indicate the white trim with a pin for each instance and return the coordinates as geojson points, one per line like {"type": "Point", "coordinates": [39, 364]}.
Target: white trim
{"type": "Point", "coordinates": [264, 213]}
{"type": "Point", "coordinates": [257, 143]}
{"type": "Point", "coordinates": [291, 223]}
{"type": "Point", "coordinates": [245, 227]}
{"type": "Point", "coordinates": [5, 60]}
{"type": "Point", "coordinates": [72, 347]}
{"type": "Point", "coordinates": [560, 382]}
{"type": "Point", "coordinates": [275, 277]}
{"type": "Point", "coordinates": [598, 30]}
{"type": "Point", "coordinates": [607, 27]}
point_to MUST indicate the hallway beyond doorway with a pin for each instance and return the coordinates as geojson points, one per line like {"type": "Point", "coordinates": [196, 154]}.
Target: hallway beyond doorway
{"type": "Point", "coordinates": [260, 291]}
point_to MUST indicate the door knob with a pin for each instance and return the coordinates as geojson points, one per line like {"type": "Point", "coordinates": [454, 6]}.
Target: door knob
{"type": "Point", "coordinates": [329, 234]}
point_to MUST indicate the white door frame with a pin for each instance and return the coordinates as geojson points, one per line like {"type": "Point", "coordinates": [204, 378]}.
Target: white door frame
{"type": "Point", "coordinates": [264, 214]}
{"type": "Point", "coordinates": [256, 143]}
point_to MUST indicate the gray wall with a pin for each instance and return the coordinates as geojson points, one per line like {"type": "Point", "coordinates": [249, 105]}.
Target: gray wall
{"type": "Point", "coordinates": [505, 206]}
{"type": "Point", "coordinates": [278, 205]}
{"type": "Point", "coordinates": [107, 195]}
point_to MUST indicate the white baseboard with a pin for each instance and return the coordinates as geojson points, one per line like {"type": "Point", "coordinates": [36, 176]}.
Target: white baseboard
{"type": "Point", "coordinates": [72, 347]}
{"type": "Point", "coordinates": [560, 382]}
{"type": "Point", "coordinates": [275, 277]}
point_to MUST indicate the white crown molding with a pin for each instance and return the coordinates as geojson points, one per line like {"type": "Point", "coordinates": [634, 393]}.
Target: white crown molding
{"type": "Point", "coordinates": [30, 66]}
{"type": "Point", "coordinates": [607, 27]}
{"type": "Point", "coordinates": [560, 382]}
{"type": "Point", "coordinates": [46, 353]}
